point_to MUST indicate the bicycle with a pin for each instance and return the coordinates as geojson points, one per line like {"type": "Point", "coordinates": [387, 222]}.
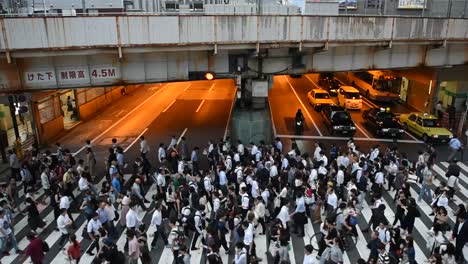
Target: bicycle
{"type": "Point", "coordinates": [315, 240]}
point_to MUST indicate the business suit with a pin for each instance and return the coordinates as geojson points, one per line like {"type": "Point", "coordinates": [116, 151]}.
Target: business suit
{"type": "Point", "coordinates": [461, 238]}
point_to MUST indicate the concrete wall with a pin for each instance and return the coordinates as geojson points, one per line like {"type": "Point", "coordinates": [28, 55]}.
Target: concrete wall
{"type": "Point", "coordinates": [251, 125]}
{"type": "Point", "coordinates": [130, 31]}
{"type": "Point", "coordinates": [89, 109]}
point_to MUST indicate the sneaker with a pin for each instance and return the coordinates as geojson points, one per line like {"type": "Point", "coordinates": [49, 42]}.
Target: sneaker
{"type": "Point", "coordinates": [90, 253]}
{"type": "Point", "coordinates": [6, 253]}
{"type": "Point", "coordinates": [19, 251]}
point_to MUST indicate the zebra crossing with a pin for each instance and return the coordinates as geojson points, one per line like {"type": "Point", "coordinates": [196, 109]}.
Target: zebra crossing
{"type": "Point", "coordinates": [160, 254]}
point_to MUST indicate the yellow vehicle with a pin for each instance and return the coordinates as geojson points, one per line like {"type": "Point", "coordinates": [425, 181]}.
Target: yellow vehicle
{"type": "Point", "coordinates": [318, 98]}
{"type": "Point", "coordinates": [426, 126]}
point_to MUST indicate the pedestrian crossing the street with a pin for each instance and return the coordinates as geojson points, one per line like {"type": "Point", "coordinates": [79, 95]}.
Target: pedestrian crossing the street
{"type": "Point", "coordinates": [356, 246]}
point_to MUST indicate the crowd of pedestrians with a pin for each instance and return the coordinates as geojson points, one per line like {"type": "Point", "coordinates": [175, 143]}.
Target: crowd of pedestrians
{"type": "Point", "coordinates": [219, 198]}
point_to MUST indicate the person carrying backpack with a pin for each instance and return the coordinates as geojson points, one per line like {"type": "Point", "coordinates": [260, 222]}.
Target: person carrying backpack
{"type": "Point", "coordinates": [199, 224]}
{"type": "Point", "coordinates": [176, 237]}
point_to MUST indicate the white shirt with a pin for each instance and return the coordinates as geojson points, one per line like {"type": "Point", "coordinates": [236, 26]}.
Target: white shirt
{"type": "Point", "coordinates": [236, 157]}
{"type": "Point", "coordinates": [83, 184]}
{"type": "Point", "coordinates": [313, 177]}
{"type": "Point", "coordinates": [342, 160]}
{"type": "Point", "coordinates": [339, 178]}
{"type": "Point", "coordinates": [248, 235]}
{"type": "Point", "coordinates": [132, 219]}
{"type": "Point", "coordinates": [161, 154]}
{"type": "Point", "coordinates": [324, 159]}
{"type": "Point", "coordinates": [379, 177]}
{"type": "Point", "coordinates": [317, 153]}
{"type": "Point", "coordinates": [273, 171]}
{"type": "Point", "coordinates": [374, 154]}
{"type": "Point", "coordinates": [254, 150]}
{"type": "Point", "coordinates": [144, 147]}
{"type": "Point", "coordinates": [64, 202]}
{"type": "Point", "coordinates": [216, 204]}
{"type": "Point", "coordinates": [308, 259]}
{"type": "Point", "coordinates": [156, 220]}
{"type": "Point", "coordinates": [443, 201]}
{"type": "Point", "coordinates": [93, 226]}
{"type": "Point", "coordinates": [241, 258]}
{"type": "Point", "coordinates": [254, 185]}
{"type": "Point", "coordinates": [283, 215]}
{"type": "Point", "coordinates": [45, 181]}
{"type": "Point", "coordinates": [245, 201]}
{"type": "Point", "coordinates": [322, 170]}
{"type": "Point", "coordinates": [62, 222]}
{"type": "Point", "coordinates": [207, 183]}
{"type": "Point", "coordinates": [172, 144]}
{"type": "Point", "coordinates": [265, 195]}
{"type": "Point", "coordinates": [332, 200]}
{"type": "Point", "coordinates": [161, 180]}
{"type": "Point", "coordinates": [284, 163]}
{"type": "Point", "coordinates": [240, 149]}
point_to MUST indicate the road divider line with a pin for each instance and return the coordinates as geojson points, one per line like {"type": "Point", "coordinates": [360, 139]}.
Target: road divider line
{"type": "Point", "coordinates": [303, 106]}
{"type": "Point", "coordinates": [413, 137]}
{"type": "Point", "coordinates": [362, 131]}
{"type": "Point", "coordinates": [273, 125]}
{"type": "Point", "coordinates": [199, 107]}
{"type": "Point", "coordinates": [310, 79]}
{"type": "Point", "coordinates": [230, 113]}
{"type": "Point", "coordinates": [211, 87]}
{"type": "Point", "coordinates": [188, 86]}
{"type": "Point", "coordinates": [136, 139]}
{"type": "Point", "coordinates": [121, 119]}
{"type": "Point", "coordinates": [354, 138]}
{"type": "Point", "coordinates": [368, 102]}
{"type": "Point", "coordinates": [182, 135]}
{"type": "Point", "coordinates": [169, 106]}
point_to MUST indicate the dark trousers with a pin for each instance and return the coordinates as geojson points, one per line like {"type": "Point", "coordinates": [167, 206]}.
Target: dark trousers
{"type": "Point", "coordinates": [94, 244]}
{"type": "Point", "coordinates": [63, 239]}
{"type": "Point", "coordinates": [159, 232]}
{"type": "Point", "coordinates": [391, 179]}
{"type": "Point", "coordinates": [196, 235]}
{"type": "Point", "coordinates": [224, 242]}
{"type": "Point", "coordinates": [140, 202]}
{"type": "Point", "coordinates": [195, 167]}
{"type": "Point", "coordinates": [15, 173]}
{"type": "Point", "coordinates": [261, 221]}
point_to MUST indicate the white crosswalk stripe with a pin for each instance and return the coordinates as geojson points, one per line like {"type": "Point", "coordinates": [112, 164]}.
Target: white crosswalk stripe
{"type": "Point", "coordinates": [357, 248]}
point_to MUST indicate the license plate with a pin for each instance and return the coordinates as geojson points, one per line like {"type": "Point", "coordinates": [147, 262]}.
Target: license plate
{"type": "Point", "coordinates": [345, 132]}
{"type": "Point", "coordinates": [393, 134]}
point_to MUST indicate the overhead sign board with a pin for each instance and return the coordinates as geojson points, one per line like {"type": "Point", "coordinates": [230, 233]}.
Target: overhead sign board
{"type": "Point", "coordinates": [412, 4]}
{"type": "Point", "coordinates": [348, 4]}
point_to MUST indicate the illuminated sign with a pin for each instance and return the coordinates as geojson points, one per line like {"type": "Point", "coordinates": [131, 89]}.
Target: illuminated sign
{"type": "Point", "coordinates": [412, 4]}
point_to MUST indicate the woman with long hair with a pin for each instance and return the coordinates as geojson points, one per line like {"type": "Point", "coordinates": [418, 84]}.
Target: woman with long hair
{"type": "Point", "coordinates": [73, 251]}
{"type": "Point", "coordinates": [34, 220]}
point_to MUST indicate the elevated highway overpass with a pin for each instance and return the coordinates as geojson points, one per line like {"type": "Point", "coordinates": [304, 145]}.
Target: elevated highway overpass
{"type": "Point", "coordinates": [61, 52]}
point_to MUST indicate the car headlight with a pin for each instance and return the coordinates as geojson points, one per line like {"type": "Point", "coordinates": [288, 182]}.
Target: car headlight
{"type": "Point", "coordinates": [401, 130]}
{"type": "Point", "coordinates": [317, 104]}
{"type": "Point", "coordinates": [336, 127]}
{"type": "Point", "coordinates": [435, 136]}
{"type": "Point", "coordinates": [385, 129]}
{"type": "Point", "coordinates": [353, 128]}
{"type": "Point", "coordinates": [451, 136]}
